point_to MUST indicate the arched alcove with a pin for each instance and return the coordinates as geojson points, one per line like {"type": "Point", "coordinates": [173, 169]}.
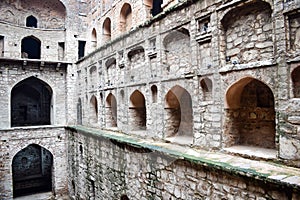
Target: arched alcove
{"type": "Point", "coordinates": [107, 29]}
{"type": "Point", "coordinates": [31, 21]}
{"type": "Point", "coordinates": [31, 48]}
{"type": "Point", "coordinates": [93, 110]}
{"type": "Point", "coordinates": [248, 27]}
{"type": "Point", "coordinates": [179, 112]}
{"type": "Point", "coordinates": [250, 114]}
{"type": "Point", "coordinates": [32, 171]}
{"type": "Point", "coordinates": [177, 52]}
{"type": "Point", "coordinates": [206, 85]}
{"type": "Point", "coordinates": [137, 111]}
{"type": "Point", "coordinates": [31, 103]}
{"type": "Point", "coordinates": [94, 39]}
{"type": "Point", "coordinates": [125, 18]}
{"type": "Point", "coordinates": [154, 93]}
{"type": "Point", "coordinates": [111, 111]}
{"type": "Point", "coordinates": [296, 82]}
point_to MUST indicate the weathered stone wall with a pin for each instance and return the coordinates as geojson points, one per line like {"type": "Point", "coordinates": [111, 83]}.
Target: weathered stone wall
{"type": "Point", "coordinates": [103, 168]}
{"type": "Point", "coordinates": [14, 72]}
{"type": "Point", "coordinates": [207, 48]}
{"type": "Point", "coordinates": [14, 140]}
{"type": "Point", "coordinates": [50, 14]}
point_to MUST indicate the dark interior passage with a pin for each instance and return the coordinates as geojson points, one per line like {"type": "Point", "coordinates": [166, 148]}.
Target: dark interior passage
{"type": "Point", "coordinates": [31, 48]}
{"type": "Point", "coordinates": [32, 171]}
{"type": "Point", "coordinates": [31, 103]}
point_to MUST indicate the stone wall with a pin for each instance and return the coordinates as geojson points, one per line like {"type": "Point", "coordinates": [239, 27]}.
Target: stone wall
{"type": "Point", "coordinates": [104, 168]}
{"type": "Point", "coordinates": [16, 140]}
{"type": "Point", "coordinates": [207, 48]}
{"type": "Point", "coordinates": [14, 72]}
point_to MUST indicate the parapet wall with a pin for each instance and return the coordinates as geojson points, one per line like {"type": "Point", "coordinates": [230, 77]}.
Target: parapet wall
{"type": "Point", "coordinates": [106, 165]}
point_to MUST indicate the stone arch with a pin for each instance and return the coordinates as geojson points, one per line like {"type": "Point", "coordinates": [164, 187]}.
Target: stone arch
{"type": "Point", "coordinates": [177, 51]}
{"type": "Point", "coordinates": [31, 48]}
{"type": "Point", "coordinates": [111, 67]}
{"type": "Point", "coordinates": [250, 114]}
{"type": "Point", "coordinates": [9, 16]}
{"type": "Point", "coordinates": [296, 82]}
{"type": "Point", "coordinates": [31, 21]}
{"type": "Point", "coordinates": [107, 29]}
{"type": "Point", "coordinates": [111, 111]}
{"type": "Point", "coordinates": [31, 103]}
{"type": "Point", "coordinates": [207, 86]}
{"type": "Point", "coordinates": [248, 28]}
{"type": "Point", "coordinates": [94, 39]}
{"type": "Point", "coordinates": [93, 110]}
{"type": "Point", "coordinates": [137, 111]}
{"type": "Point", "coordinates": [154, 93]}
{"type": "Point", "coordinates": [136, 57]}
{"type": "Point", "coordinates": [179, 113]}
{"type": "Point", "coordinates": [93, 77]}
{"type": "Point", "coordinates": [32, 170]}
{"type": "Point", "coordinates": [126, 18]}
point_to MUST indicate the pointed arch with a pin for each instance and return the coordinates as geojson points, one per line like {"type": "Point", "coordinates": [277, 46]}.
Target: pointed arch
{"type": "Point", "coordinates": [154, 93]}
{"type": "Point", "coordinates": [31, 21]}
{"type": "Point", "coordinates": [93, 110]}
{"type": "Point", "coordinates": [94, 39]}
{"type": "Point", "coordinates": [179, 112]}
{"type": "Point", "coordinates": [126, 18]}
{"type": "Point", "coordinates": [111, 111]}
{"type": "Point", "coordinates": [137, 111]}
{"type": "Point", "coordinates": [31, 102]}
{"type": "Point", "coordinates": [107, 29]}
{"type": "Point", "coordinates": [250, 114]}
{"type": "Point", "coordinates": [31, 48]}
{"type": "Point", "coordinates": [32, 164]}
{"type": "Point", "coordinates": [206, 85]}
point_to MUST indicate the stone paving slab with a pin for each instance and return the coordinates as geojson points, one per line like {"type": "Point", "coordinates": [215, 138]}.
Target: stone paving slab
{"type": "Point", "coordinates": [258, 169]}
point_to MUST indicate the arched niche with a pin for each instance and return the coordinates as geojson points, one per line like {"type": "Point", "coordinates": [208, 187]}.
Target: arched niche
{"type": "Point", "coordinates": [178, 113]}
{"type": "Point", "coordinates": [107, 29]}
{"type": "Point", "coordinates": [93, 110]}
{"type": "Point", "coordinates": [31, 48]}
{"type": "Point", "coordinates": [177, 51]}
{"type": "Point", "coordinates": [31, 21]}
{"type": "Point", "coordinates": [94, 39]}
{"type": "Point", "coordinates": [126, 18]}
{"type": "Point", "coordinates": [154, 93]}
{"type": "Point", "coordinates": [248, 30]}
{"type": "Point", "coordinates": [250, 114]}
{"type": "Point", "coordinates": [32, 171]}
{"type": "Point", "coordinates": [137, 111]}
{"type": "Point", "coordinates": [31, 103]}
{"type": "Point", "coordinates": [111, 111]}
{"type": "Point", "coordinates": [206, 86]}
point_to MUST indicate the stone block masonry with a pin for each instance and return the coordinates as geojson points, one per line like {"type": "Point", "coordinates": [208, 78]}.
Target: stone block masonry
{"type": "Point", "coordinates": [16, 140]}
{"type": "Point", "coordinates": [109, 165]}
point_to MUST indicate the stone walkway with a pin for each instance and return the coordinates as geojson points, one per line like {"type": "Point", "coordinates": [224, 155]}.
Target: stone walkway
{"type": "Point", "coordinates": [258, 169]}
